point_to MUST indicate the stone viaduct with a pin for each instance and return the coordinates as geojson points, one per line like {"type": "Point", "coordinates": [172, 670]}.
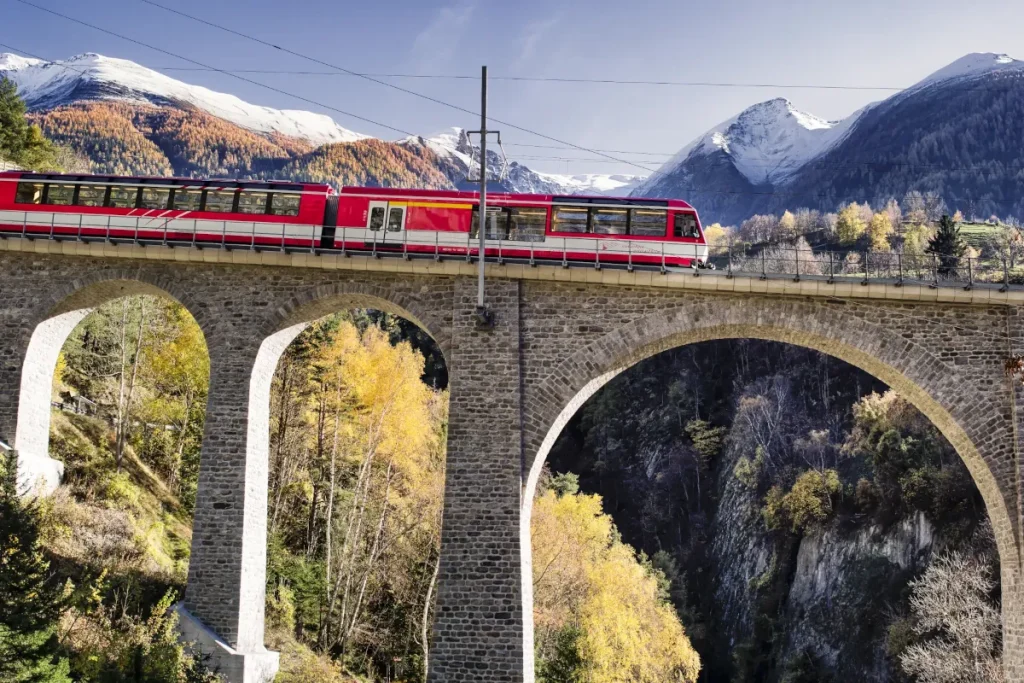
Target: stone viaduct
{"type": "Point", "coordinates": [560, 334]}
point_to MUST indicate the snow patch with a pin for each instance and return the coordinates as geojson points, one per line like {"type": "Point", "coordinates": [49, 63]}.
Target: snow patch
{"type": "Point", "coordinates": [92, 77]}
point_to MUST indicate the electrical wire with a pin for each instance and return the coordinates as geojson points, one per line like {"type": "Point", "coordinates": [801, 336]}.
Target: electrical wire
{"type": "Point", "coordinates": [222, 71]}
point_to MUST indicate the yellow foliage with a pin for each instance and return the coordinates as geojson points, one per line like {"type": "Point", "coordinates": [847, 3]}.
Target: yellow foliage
{"type": "Point", "coordinates": [584, 575]}
{"type": "Point", "coordinates": [850, 225]}
{"type": "Point", "coordinates": [879, 231]}
{"type": "Point", "coordinates": [787, 225]}
{"type": "Point", "coordinates": [715, 234]}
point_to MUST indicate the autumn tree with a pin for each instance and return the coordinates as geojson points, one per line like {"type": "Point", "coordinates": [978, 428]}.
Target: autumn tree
{"type": "Point", "coordinates": [879, 231]}
{"type": "Point", "coordinates": [601, 612]}
{"type": "Point", "coordinates": [850, 225]}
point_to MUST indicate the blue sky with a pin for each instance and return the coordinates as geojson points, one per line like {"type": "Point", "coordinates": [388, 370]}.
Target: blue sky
{"type": "Point", "coordinates": [866, 43]}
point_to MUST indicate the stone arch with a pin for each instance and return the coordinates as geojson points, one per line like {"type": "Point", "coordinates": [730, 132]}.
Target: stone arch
{"type": "Point", "coordinates": [980, 431]}
{"type": "Point", "coordinates": [60, 310]}
{"type": "Point", "coordinates": [296, 314]}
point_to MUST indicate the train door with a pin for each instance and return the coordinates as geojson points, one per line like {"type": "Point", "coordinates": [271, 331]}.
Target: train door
{"type": "Point", "coordinates": [386, 222]}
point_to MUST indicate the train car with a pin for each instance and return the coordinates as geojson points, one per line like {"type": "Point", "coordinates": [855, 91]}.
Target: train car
{"type": "Point", "coordinates": [521, 226]}
{"type": "Point", "coordinates": [283, 215]}
{"type": "Point", "coordinates": [170, 210]}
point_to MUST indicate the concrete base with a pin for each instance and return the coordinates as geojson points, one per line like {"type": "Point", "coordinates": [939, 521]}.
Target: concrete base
{"type": "Point", "coordinates": [233, 666]}
{"type": "Point", "coordinates": [38, 476]}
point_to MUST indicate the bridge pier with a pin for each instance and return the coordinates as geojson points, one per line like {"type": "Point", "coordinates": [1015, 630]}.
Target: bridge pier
{"type": "Point", "coordinates": [478, 623]}
{"type": "Point", "coordinates": [223, 608]}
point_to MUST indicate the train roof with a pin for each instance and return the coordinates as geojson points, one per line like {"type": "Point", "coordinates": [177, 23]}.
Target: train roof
{"type": "Point", "coordinates": [511, 196]}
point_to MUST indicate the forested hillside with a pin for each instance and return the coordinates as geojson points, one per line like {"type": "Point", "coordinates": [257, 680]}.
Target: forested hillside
{"type": "Point", "coordinates": [803, 512]}
{"type": "Point", "coordinates": [120, 138]}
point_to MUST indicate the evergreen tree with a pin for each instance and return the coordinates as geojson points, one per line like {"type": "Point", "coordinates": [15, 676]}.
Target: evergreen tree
{"type": "Point", "coordinates": [30, 603]}
{"type": "Point", "coordinates": [13, 126]}
{"type": "Point", "coordinates": [21, 142]}
{"type": "Point", "coordinates": [947, 245]}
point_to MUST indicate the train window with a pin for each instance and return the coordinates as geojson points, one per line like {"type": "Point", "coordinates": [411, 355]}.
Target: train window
{"type": "Point", "coordinates": [685, 225]}
{"type": "Point", "coordinates": [30, 193]}
{"type": "Point", "coordinates": [497, 224]}
{"type": "Point", "coordinates": [527, 225]}
{"type": "Point", "coordinates": [285, 204]}
{"type": "Point", "coordinates": [569, 219]}
{"type": "Point", "coordinates": [187, 200]}
{"type": "Point", "coordinates": [220, 201]}
{"type": "Point", "coordinates": [610, 221]}
{"type": "Point", "coordinates": [252, 202]}
{"type": "Point", "coordinates": [648, 222]}
{"type": "Point", "coordinates": [155, 197]}
{"type": "Point", "coordinates": [396, 217]}
{"type": "Point", "coordinates": [377, 217]}
{"type": "Point", "coordinates": [61, 195]}
{"type": "Point", "coordinates": [91, 195]}
{"type": "Point", "coordinates": [123, 197]}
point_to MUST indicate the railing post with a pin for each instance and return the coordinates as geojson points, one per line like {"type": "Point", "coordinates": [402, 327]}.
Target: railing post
{"type": "Point", "coordinates": [565, 254]}
{"type": "Point", "coordinates": [405, 245]}
{"type": "Point", "coordinates": [344, 251]}
{"type": "Point", "coordinates": [970, 275]}
{"type": "Point", "coordinates": [728, 268]}
{"type": "Point", "coordinates": [764, 266]}
{"type": "Point", "coordinates": [629, 256]}
{"type": "Point", "coordinates": [136, 240]}
{"type": "Point", "coordinates": [252, 239]}
{"type": "Point", "coordinates": [108, 228]}
{"type": "Point", "coordinates": [867, 268]}
{"type": "Point", "coordinates": [533, 262]}
{"type": "Point", "coordinates": [223, 233]}
{"type": "Point", "coordinates": [437, 246]}
{"type": "Point", "coordinates": [1006, 277]}
{"type": "Point", "coordinates": [935, 272]}
{"type": "Point", "coordinates": [597, 254]}
{"type": "Point", "coordinates": [796, 253]}
{"type": "Point", "coordinates": [79, 238]}
{"type": "Point", "coordinates": [831, 268]}
{"type": "Point", "coordinates": [469, 245]}
{"type": "Point", "coordinates": [501, 261]}
{"type": "Point", "coordinates": [663, 268]}
{"type": "Point", "coordinates": [53, 219]}
{"type": "Point", "coordinates": [283, 228]}
{"type": "Point", "coordinates": [899, 269]}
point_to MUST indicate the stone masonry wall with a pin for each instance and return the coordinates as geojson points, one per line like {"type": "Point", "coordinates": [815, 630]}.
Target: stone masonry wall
{"type": "Point", "coordinates": [512, 387]}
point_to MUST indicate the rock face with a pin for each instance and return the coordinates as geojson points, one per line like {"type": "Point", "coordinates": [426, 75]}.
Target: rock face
{"type": "Point", "coordinates": [848, 578]}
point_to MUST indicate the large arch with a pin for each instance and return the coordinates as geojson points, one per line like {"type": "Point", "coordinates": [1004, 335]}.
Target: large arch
{"type": "Point", "coordinates": [924, 379]}
{"type": "Point", "coordinates": [40, 345]}
{"type": "Point", "coordinates": [241, 622]}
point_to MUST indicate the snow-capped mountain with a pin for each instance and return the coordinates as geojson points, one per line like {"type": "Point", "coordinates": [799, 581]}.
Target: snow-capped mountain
{"type": "Point", "coordinates": [928, 137]}
{"type": "Point", "coordinates": [92, 77]}
{"type": "Point", "coordinates": [462, 160]}
{"type": "Point", "coordinates": [767, 142]}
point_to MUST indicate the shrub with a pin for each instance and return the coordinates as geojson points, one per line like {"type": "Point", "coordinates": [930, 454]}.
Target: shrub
{"type": "Point", "coordinates": [806, 505]}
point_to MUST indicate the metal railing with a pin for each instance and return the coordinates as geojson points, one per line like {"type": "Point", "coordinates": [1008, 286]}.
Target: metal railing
{"type": "Point", "coordinates": [760, 261]}
{"type": "Point", "coordinates": [867, 267]}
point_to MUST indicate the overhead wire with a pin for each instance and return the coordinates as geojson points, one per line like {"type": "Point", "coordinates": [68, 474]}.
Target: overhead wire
{"type": "Point", "coordinates": [212, 68]}
{"type": "Point", "coordinates": [605, 156]}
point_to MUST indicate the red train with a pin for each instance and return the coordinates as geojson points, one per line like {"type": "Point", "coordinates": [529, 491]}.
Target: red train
{"type": "Point", "coordinates": [283, 215]}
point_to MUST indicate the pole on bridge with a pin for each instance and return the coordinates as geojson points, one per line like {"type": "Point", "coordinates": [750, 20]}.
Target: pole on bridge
{"type": "Point", "coordinates": [485, 318]}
